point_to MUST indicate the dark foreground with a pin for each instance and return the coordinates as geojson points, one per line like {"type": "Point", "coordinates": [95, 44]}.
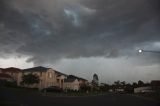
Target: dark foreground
{"type": "Point", "coordinates": [19, 97]}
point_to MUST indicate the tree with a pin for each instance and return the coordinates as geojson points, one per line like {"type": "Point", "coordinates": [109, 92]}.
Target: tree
{"type": "Point", "coordinates": [30, 79]}
{"type": "Point", "coordinates": [129, 88]}
{"type": "Point", "coordinates": [135, 84]}
{"type": "Point", "coordinates": [85, 88]}
{"type": "Point", "coordinates": [123, 83]}
{"type": "Point", "coordinates": [117, 84]}
{"type": "Point", "coordinates": [95, 80]}
{"type": "Point", "coordinates": [140, 83]}
{"type": "Point", "coordinates": [104, 87]}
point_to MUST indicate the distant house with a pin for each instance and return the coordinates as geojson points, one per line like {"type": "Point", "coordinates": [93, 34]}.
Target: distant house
{"type": "Point", "coordinates": [145, 89]}
{"type": "Point", "coordinates": [6, 77]}
{"type": "Point", "coordinates": [1, 70]}
{"type": "Point", "coordinates": [81, 81]}
{"type": "Point", "coordinates": [71, 84]}
{"type": "Point", "coordinates": [119, 90]}
{"type": "Point", "coordinates": [155, 84]}
{"type": "Point", "coordinates": [15, 73]}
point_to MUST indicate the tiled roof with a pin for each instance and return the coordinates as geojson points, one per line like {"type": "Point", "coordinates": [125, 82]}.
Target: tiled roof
{"type": "Point", "coordinates": [59, 73]}
{"type": "Point", "coordinates": [69, 80]}
{"type": "Point", "coordinates": [36, 69]}
{"type": "Point", "coordinates": [2, 75]}
{"type": "Point", "coordinates": [11, 69]}
{"type": "Point", "coordinates": [72, 76]}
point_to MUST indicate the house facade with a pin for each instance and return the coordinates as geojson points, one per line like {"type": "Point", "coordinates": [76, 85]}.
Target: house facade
{"type": "Point", "coordinates": [6, 77]}
{"type": "Point", "coordinates": [71, 84]}
{"type": "Point", "coordinates": [145, 89]}
{"type": "Point", "coordinates": [155, 85]}
{"type": "Point", "coordinates": [48, 77]}
{"type": "Point", "coordinates": [15, 73]}
{"type": "Point", "coordinates": [81, 81]}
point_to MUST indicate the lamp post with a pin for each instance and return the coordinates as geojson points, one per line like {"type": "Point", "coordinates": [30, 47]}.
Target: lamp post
{"type": "Point", "coordinates": [141, 51]}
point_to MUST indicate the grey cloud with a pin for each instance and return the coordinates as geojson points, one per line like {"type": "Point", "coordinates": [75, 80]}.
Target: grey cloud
{"type": "Point", "coordinates": [108, 28]}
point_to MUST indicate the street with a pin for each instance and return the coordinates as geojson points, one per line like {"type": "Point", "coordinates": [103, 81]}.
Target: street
{"type": "Point", "coordinates": [16, 97]}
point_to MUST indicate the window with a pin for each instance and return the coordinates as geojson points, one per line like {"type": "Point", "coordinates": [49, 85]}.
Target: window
{"type": "Point", "coordinates": [40, 74]}
{"type": "Point", "coordinates": [57, 80]}
{"type": "Point", "coordinates": [50, 75]}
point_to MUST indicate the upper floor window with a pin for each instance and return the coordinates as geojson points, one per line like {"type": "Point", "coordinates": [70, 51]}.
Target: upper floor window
{"type": "Point", "coordinates": [40, 74]}
{"type": "Point", "coordinates": [50, 75]}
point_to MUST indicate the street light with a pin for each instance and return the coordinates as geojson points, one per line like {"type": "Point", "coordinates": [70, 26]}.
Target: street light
{"type": "Point", "coordinates": [141, 51]}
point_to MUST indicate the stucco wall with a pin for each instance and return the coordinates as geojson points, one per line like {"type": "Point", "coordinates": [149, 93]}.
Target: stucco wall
{"type": "Point", "coordinates": [72, 85]}
{"type": "Point", "coordinates": [47, 79]}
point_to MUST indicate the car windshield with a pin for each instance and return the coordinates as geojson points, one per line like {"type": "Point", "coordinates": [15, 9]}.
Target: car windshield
{"type": "Point", "coordinates": [79, 52]}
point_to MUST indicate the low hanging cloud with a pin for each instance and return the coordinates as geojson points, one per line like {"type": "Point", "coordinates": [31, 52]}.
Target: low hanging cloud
{"type": "Point", "coordinates": [51, 30]}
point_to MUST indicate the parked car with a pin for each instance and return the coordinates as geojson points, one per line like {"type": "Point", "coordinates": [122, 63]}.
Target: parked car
{"type": "Point", "coordinates": [52, 89]}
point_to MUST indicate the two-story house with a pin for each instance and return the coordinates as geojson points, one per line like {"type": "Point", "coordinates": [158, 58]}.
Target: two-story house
{"type": "Point", "coordinates": [48, 77]}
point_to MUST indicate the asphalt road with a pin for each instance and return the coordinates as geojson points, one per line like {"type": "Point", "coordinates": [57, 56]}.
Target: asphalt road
{"type": "Point", "coordinates": [14, 97]}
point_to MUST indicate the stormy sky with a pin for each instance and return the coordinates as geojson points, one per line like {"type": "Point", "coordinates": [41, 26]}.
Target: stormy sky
{"type": "Point", "coordinates": [83, 37]}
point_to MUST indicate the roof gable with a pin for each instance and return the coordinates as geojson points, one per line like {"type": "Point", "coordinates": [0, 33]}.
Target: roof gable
{"type": "Point", "coordinates": [59, 73]}
{"type": "Point", "coordinates": [75, 77]}
{"type": "Point", "coordinates": [11, 69]}
{"type": "Point", "coordinates": [36, 69]}
{"type": "Point", "coordinates": [2, 75]}
{"type": "Point", "coordinates": [70, 80]}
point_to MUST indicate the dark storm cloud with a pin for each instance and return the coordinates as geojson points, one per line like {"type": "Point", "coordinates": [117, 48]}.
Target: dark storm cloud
{"type": "Point", "coordinates": [49, 30]}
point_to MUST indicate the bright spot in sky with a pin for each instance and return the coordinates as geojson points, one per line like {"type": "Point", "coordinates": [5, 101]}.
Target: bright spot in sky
{"type": "Point", "coordinates": [140, 51]}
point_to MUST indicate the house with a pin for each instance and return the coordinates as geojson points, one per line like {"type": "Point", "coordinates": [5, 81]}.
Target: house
{"type": "Point", "coordinates": [6, 77]}
{"type": "Point", "coordinates": [48, 77]}
{"type": "Point", "coordinates": [1, 70]}
{"type": "Point", "coordinates": [81, 81]}
{"type": "Point", "coordinates": [60, 78]}
{"type": "Point", "coordinates": [15, 73]}
{"type": "Point", "coordinates": [71, 84]}
{"type": "Point", "coordinates": [119, 90]}
{"type": "Point", "coordinates": [155, 84]}
{"type": "Point", "coordinates": [145, 89]}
